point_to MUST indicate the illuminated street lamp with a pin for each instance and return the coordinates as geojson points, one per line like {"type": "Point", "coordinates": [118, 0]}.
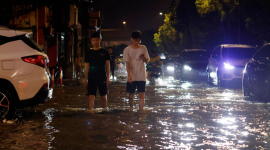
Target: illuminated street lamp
{"type": "Point", "coordinates": [160, 13]}
{"type": "Point", "coordinates": [125, 24]}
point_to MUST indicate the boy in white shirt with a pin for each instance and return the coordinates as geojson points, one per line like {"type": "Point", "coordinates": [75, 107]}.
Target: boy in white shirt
{"type": "Point", "coordinates": [135, 56]}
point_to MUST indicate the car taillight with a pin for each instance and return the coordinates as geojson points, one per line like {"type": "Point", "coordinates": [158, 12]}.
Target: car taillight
{"type": "Point", "coordinates": [36, 59]}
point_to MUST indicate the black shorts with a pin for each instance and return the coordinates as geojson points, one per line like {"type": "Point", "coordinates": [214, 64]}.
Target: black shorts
{"type": "Point", "coordinates": [93, 85]}
{"type": "Point", "coordinates": [140, 85]}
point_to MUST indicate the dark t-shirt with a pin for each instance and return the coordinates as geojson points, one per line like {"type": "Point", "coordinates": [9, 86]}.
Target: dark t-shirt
{"type": "Point", "coordinates": [112, 59]}
{"type": "Point", "coordinates": [97, 63]}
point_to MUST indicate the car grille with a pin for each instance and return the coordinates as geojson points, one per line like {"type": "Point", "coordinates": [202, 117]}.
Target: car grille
{"type": "Point", "coordinates": [238, 71]}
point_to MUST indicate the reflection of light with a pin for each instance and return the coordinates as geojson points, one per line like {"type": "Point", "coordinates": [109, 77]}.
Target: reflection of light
{"type": "Point", "coordinates": [240, 141]}
{"type": "Point", "coordinates": [228, 94]}
{"type": "Point", "coordinates": [186, 85]}
{"type": "Point", "coordinates": [213, 75]}
{"type": "Point", "coordinates": [188, 96]}
{"type": "Point", "coordinates": [188, 139]}
{"type": "Point", "coordinates": [228, 66]}
{"type": "Point", "coordinates": [228, 120]}
{"type": "Point", "coordinates": [49, 113]}
{"type": "Point", "coordinates": [170, 78]}
{"type": "Point", "coordinates": [187, 68]}
{"type": "Point", "coordinates": [181, 110]}
{"type": "Point", "coordinates": [170, 68]}
{"type": "Point", "coordinates": [190, 125]}
{"type": "Point", "coordinates": [171, 97]}
{"type": "Point", "coordinates": [245, 133]}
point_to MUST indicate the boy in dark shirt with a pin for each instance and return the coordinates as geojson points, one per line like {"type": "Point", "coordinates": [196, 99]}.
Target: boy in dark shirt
{"type": "Point", "coordinates": [97, 71]}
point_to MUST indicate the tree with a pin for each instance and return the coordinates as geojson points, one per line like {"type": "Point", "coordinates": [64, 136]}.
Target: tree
{"type": "Point", "coordinates": [166, 37]}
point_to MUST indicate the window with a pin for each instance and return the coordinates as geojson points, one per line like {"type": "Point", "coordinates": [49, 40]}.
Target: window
{"type": "Point", "coordinates": [263, 52]}
{"type": "Point", "coordinates": [27, 40]}
{"type": "Point", "coordinates": [216, 53]}
{"type": "Point", "coordinates": [195, 56]}
{"type": "Point", "coordinates": [238, 52]}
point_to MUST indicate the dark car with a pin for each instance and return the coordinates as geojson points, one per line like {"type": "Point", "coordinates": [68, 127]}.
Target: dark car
{"type": "Point", "coordinates": [168, 64]}
{"type": "Point", "coordinates": [256, 80]}
{"type": "Point", "coordinates": [191, 65]}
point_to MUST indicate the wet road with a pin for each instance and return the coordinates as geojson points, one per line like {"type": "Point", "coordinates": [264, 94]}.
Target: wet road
{"type": "Point", "coordinates": [177, 116]}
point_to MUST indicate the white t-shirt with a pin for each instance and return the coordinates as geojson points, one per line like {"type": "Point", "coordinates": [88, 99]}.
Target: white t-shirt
{"type": "Point", "coordinates": [137, 66]}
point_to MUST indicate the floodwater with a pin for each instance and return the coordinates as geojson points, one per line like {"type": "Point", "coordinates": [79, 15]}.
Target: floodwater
{"type": "Point", "coordinates": [177, 115]}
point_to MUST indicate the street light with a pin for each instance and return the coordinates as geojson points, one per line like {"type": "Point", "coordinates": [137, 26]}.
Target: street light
{"type": "Point", "coordinates": [124, 23]}
{"type": "Point", "coordinates": [160, 13]}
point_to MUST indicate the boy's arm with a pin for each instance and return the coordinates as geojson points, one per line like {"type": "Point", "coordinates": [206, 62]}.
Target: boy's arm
{"type": "Point", "coordinates": [144, 59]}
{"type": "Point", "coordinates": [145, 56]}
{"type": "Point", "coordinates": [86, 73]}
{"type": "Point", "coordinates": [108, 71]}
{"type": "Point", "coordinates": [128, 72]}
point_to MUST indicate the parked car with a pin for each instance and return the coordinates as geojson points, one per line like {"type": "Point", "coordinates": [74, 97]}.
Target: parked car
{"type": "Point", "coordinates": [256, 80]}
{"type": "Point", "coordinates": [24, 80]}
{"type": "Point", "coordinates": [227, 62]}
{"type": "Point", "coordinates": [168, 65]}
{"type": "Point", "coordinates": [191, 65]}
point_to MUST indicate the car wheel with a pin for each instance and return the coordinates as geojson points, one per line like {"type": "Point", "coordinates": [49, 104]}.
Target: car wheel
{"type": "Point", "coordinates": [7, 106]}
{"type": "Point", "coordinates": [220, 82]}
{"type": "Point", "coordinates": [246, 88]}
{"type": "Point", "coordinates": [209, 79]}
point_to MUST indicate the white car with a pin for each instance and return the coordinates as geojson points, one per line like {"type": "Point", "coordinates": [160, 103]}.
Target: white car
{"type": "Point", "coordinates": [24, 80]}
{"type": "Point", "coordinates": [227, 63]}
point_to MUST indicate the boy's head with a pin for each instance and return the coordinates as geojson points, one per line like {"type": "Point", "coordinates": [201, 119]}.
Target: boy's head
{"type": "Point", "coordinates": [110, 49]}
{"type": "Point", "coordinates": [95, 39]}
{"type": "Point", "coordinates": [136, 37]}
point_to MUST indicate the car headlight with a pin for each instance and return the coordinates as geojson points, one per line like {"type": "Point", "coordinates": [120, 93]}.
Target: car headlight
{"type": "Point", "coordinates": [170, 68]}
{"type": "Point", "coordinates": [187, 68]}
{"type": "Point", "coordinates": [228, 66]}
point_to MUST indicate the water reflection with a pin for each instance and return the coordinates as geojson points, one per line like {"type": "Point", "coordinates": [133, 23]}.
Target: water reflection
{"type": "Point", "coordinates": [49, 113]}
{"type": "Point", "coordinates": [177, 115]}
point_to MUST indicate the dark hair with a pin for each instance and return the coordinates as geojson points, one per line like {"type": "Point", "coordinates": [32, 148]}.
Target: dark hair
{"type": "Point", "coordinates": [136, 34]}
{"type": "Point", "coordinates": [110, 47]}
{"type": "Point", "coordinates": [95, 35]}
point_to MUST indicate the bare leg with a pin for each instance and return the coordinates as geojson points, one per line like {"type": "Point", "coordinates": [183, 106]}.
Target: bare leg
{"type": "Point", "coordinates": [91, 101]}
{"type": "Point", "coordinates": [104, 101]}
{"type": "Point", "coordinates": [142, 100]}
{"type": "Point", "coordinates": [131, 99]}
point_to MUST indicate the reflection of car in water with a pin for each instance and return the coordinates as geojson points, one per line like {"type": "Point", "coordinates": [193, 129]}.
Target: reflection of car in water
{"type": "Point", "coordinates": [154, 73]}
{"type": "Point", "coordinates": [191, 65]}
{"type": "Point", "coordinates": [227, 62]}
{"type": "Point", "coordinates": [168, 65]}
{"type": "Point", "coordinates": [256, 80]}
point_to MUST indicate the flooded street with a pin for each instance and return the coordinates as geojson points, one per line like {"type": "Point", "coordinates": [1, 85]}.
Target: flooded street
{"type": "Point", "coordinates": [178, 115]}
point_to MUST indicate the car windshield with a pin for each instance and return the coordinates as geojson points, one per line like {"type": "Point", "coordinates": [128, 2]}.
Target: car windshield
{"type": "Point", "coordinates": [238, 53]}
{"type": "Point", "coordinates": [172, 59]}
{"type": "Point", "coordinates": [195, 56]}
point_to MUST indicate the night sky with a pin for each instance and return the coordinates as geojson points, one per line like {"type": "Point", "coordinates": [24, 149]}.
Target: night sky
{"type": "Point", "coordinates": [139, 14]}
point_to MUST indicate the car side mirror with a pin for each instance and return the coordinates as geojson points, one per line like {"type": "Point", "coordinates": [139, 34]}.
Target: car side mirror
{"type": "Point", "coordinates": [264, 59]}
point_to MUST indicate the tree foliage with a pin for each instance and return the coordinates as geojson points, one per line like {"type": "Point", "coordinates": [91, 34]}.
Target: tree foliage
{"type": "Point", "coordinates": [166, 37]}
{"type": "Point", "coordinates": [207, 23]}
